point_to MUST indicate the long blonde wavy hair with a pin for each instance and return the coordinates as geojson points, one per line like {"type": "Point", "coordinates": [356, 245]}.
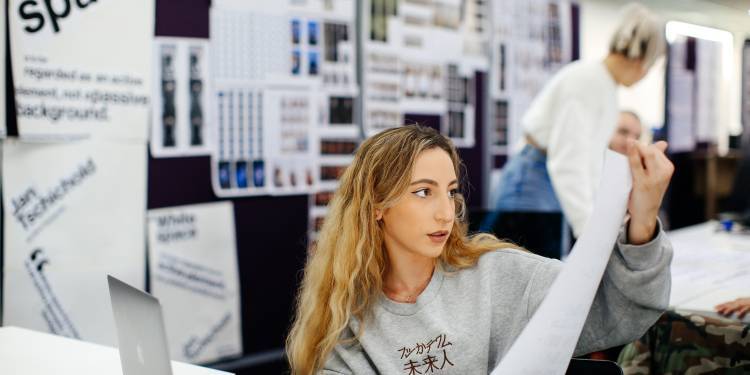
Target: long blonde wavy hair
{"type": "Point", "coordinates": [344, 271]}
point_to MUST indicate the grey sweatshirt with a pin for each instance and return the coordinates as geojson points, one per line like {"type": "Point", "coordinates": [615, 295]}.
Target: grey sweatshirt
{"type": "Point", "coordinates": [465, 321]}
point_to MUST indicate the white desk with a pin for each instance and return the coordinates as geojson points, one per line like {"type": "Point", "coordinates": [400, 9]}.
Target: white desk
{"type": "Point", "coordinates": [29, 352]}
{"type": "Point", "coordinates": [709, 268]}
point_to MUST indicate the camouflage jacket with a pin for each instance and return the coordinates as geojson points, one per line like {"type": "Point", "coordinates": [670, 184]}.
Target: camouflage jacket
{"type": "Point", "coordinates": [689, 344]}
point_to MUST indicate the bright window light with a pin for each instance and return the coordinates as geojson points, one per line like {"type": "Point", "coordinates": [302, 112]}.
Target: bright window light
{"type": "Point", "coordinates": [675, 29]}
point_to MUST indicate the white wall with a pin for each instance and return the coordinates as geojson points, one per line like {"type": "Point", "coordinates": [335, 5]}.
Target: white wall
{"type": "Point", "coordinates": [599, 17]}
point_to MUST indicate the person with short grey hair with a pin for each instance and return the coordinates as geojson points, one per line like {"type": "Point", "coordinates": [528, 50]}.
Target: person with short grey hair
{"type": "Point", "coordinates": [566, 130]}
{"type": "Point", "coordinates": [638, 37]}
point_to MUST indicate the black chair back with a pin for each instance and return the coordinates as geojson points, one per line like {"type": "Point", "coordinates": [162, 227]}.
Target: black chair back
{"type": "Point", "coordinates": [593, 367]}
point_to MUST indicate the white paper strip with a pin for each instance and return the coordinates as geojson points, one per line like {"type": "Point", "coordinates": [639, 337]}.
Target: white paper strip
{"type": "Point", "coordinates": [547, 343]}
{"type": "Point", "coordinates": [74, 212]}
{"type": "Point", "coordinates": [193, 268]}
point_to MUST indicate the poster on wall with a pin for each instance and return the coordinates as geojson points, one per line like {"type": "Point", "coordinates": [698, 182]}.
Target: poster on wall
{"type": "Point", "coordinates": [74, 213]}
{"type": "Point", "coordinates": [681, 135]}
{"type": "Point", "coordinates": [284, 87]}
{"type": "Point", "coordinates": [179, 97]}
{"type": "Point", "coordinates": [81, 68]}
{"type": "Point", "coordinates": [193, 270]}
{"type": "Point", "coordinates": [745, 95]}
{"type": "Point", "coordinates": [421, 60]}
{"type": "Point", "coordinates": [323, 35]}
{"type": "Point", "coordinates": [708, 73]}
{"type": "Point", "coordinates": [264, 141]}
{"type": "Point", "coordinates": [681, 101]}
{"type": "Point", "coordinates": [263, 102]}
{"type": "Point", "coordinates": [530, 42]}
{"type": "Point", "coordinates": [3, 125]}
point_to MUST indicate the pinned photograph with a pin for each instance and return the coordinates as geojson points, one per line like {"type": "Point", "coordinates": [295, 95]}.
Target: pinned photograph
{"type": "Point", "coordinates": [312, 33]}
{"type": "Point", "coordinates": [313, 69]}
{"type": "Point", "coordinates": [295, 32]}
{"type": "Point", "coordinates": [168, 111]}
{"type": "Point", "coordinates": [296, 62]}
{"type": "Point", "coordinates": [196, 95]}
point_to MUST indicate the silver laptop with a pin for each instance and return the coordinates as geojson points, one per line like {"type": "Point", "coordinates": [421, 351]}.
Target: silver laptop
{"type": "Point", "coordinates": [140, 330]}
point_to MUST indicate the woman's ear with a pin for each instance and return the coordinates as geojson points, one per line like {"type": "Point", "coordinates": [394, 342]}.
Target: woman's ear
{"type": "Point", "coordinates": [378, 214]}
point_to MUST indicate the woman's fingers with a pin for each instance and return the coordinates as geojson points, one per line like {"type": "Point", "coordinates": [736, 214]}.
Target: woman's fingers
{"type": "Point", "coordinates": [653, 160]}
{"type": "Point", "coordinates": [740, 306]}
{"type": "Point", "coordinates": [743, 311]}
{"type": "Point", "coordinates": [661, 145]}
{"type": "Point", "coordinates": [634, 158]}
{"type": "Point", "coordinates": [725, 309]}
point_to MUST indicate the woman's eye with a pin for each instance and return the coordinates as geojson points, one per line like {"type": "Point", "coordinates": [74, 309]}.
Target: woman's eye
{"type": "Point", "coordinates": [422, 193]}
{"type": "Point", "coordinates": [453, 193]}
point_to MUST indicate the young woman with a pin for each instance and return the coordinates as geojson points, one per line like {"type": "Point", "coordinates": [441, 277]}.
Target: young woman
{"type": "Point", "coordinates": [395, 285]}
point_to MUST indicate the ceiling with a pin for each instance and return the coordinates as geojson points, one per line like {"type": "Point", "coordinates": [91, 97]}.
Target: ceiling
{"type": "Point", "coordinates": [729, 15]}
{"type": "Point", "coordinates": [741, 5]}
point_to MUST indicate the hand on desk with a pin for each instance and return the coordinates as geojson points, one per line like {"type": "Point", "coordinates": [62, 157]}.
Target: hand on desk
{"type": "Point", "coordinates": [740, 306]}
{"type": "Point", "coordinates": [651, 172]}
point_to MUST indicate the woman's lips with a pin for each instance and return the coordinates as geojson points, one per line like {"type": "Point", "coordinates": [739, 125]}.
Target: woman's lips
{"type": "Point", "coordinates": [439, 236]}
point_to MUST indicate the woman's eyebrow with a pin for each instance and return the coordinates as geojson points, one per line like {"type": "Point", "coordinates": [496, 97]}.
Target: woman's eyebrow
{"type": "Point", "coordinates": [431, 182]}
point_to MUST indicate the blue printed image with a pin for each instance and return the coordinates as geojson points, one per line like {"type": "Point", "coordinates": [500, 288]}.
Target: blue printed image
{"type": "Point", "coordinates": [259, 173]}
{"type": "Point", "coordinates": [295, 32]}
{"type": "Point", "coordinates": [224, 175]}
{"type": "Point", "coordinates": [241, 174]}
{"type": "Point", "coordinates": [312, 33]}
{"type": "Point", "coordinates": [313, 70]}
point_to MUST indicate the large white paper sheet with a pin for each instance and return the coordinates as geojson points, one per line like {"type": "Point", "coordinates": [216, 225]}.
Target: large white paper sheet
{"type": "Point", "coordinates": [21, 351]}
{"type": "Point", "coordinates": [709, 268]}
{"type": "Point", "coordinates": [81, 67]}
{"type": "Point", "coordinates": [553, 331]}
{"type": "Point", "coordinates": [193, 268]}
{"type": "Point", "coordinates": [74, 212]}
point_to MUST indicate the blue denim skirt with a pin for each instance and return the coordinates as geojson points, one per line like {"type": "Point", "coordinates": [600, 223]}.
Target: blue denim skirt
{"type": "Point", "coordinates": [526, 189]}
{"type": "Point", "coordinates": [525, 184]}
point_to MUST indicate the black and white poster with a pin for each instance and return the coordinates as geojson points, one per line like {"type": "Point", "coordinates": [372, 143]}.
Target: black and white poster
{"type": "Point", "coordinates": [81, 68]}
{"type": "Point", "coordinates": [74, 212]}
{"type": "Point", "coordinates": [193, 270]}
{"type": "Point", "coordinates": [179, 124]}
{"type": "Point", "coordinates": [3, 125]}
